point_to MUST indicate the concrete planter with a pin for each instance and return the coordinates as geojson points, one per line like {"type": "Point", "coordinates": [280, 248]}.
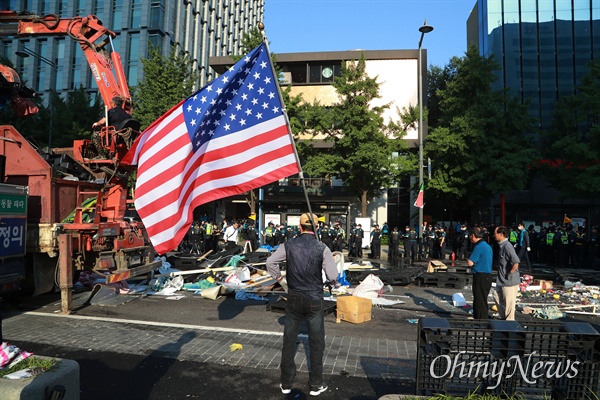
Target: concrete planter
{"type": "Point", "coordinates": [65, 373]}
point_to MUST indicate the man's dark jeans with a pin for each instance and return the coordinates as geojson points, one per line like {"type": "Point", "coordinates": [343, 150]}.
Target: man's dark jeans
{"type": "Point", "coordinates": [298, 308]}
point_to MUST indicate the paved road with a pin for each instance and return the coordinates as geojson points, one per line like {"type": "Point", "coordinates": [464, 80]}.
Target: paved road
{"type": "Point", "coordinates": [155, 348]}
{"type": "Point", "coordinates": [177, 340]}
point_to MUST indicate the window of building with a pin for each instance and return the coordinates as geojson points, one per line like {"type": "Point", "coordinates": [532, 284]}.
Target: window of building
{"type": "Point", "coordinates": [59, 51]}
{"type": "Point", "coordinates": [45, 7]}
{"type": "Point", "coordinates": [133, 56]}
{"type": "Point", "coordinates": [323, 72]}
{"type": "Point", "coordinates": [62, 8]}
{"type": "Point", "coordinates": [117, 14]}
{"type": "Point", "coordinates": [136, 14]}
{"type": "Point", "coordinates": [157, 14]}
{"type": "Point", "coordinates": [98, 9]}
{"type": "Point", "coordinates": [314, 72]}
{"type": "Point", "coordinates": [76, 66]}
{"type": "Point", "coordinates": [298, 72]}
{"type": "Point", "coordinates": [155, 40]}
{"type": "Point", "coordinates": [80, 7]}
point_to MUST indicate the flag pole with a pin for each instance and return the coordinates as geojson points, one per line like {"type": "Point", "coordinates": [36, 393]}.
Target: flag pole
{"type": "Point", "coordinates": [261, 28]}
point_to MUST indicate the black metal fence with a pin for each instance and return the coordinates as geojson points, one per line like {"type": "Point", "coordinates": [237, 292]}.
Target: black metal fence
{"type": "Point", "coordinates": [534, 359]}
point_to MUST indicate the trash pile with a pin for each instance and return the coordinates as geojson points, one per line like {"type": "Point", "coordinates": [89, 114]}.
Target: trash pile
{"type": "Point", "coordinates": [226, 272]}
{"type": "Point", "coordinates": [546, 300]}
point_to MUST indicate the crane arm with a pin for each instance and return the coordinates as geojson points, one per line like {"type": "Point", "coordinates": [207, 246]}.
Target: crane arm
{"type": "Point", "coordinates": [93, 38]}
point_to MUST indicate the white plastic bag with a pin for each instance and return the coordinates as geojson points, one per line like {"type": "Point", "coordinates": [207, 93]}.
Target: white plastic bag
{"type": "Point", "coordinates": [369, 288]}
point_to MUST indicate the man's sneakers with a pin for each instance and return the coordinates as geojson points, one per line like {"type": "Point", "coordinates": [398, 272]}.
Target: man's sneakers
{"type": "Point", "coordinates": [313, 391]}
{"type": "Point", "coordinates": [318, 391]}
{"type": "Point", "coordinates": [285, 390]}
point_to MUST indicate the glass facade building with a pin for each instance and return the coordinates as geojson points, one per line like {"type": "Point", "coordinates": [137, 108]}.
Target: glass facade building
{"type": "Point", "coordinates": [202, 28]}
{"type": "Point", "coordinates": [543, 47]}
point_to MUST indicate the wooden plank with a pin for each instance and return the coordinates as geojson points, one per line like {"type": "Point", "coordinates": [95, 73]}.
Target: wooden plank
{"type": "Point", "coordinates": [196, 271]}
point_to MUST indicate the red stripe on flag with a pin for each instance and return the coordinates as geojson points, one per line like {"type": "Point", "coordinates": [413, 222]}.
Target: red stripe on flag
{"type": "Point", "coordinates": [215, 195]}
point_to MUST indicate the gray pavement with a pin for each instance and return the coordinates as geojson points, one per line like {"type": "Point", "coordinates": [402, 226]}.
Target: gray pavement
{"type": "Point", "coordinates": [373, 358]}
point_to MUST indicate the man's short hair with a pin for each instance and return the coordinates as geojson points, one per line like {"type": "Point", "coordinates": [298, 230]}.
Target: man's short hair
{"type": "Point", "coordinates": [503, 230]}
{"type": "Point", "coordinates": [477, 232]}
{"type": "Point", "coordinates": [118, 101]}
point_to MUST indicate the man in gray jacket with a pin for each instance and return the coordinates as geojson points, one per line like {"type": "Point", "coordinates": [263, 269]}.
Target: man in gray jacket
{"type": "Point", "coordinates": [508, 279]}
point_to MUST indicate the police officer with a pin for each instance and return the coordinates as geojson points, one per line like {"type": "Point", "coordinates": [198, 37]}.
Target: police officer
{"type": "Point", "coordinates": [269, 235]}
{"type": "Point", "coordinates": [441, 243]}
{"type": "Point", "coordinates": [593, 248]}
{"type": "Point", "coordinates": [551, 246]}
{"type": "Point", "coordinates": [405, 239]}
{"type": "Point", "coordinates": [339, 237]}
{"type": "Point", "coordinates": [579, 247]}
{"type": "Point", "coordinates": [289, 233]}
{"type": "Point", "coordinates": [524, 247]}
{"type": "Point", "coordinates": [429, 241]}
{"type": "Point", "coordinates": [513, 236]}
{"type": "Point", "coordinates": [279, 234]}
{"type": "Point", "coordinates": [376, 242]}
{"type": "Point", "coordinates": [351, 242]}
{"type": "Point", "coordinates": [327, 236]}
{"type": "Point", "coordinates": [463, 243]}
{"type": "Point", "coordinates": [394, 243]}
{"type": "Point", "coordinates": [208, 236]}
{"type": "Point", "coordinates": [412, 243]}
{"type": "Point", "coordinates": [358, 240]}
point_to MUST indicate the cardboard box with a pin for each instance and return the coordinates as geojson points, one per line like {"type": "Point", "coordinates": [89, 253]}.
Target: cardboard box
{"type": "Point", "coordinates": [435, 266]}
{"type": "Point", "coordinates": [354, 309]}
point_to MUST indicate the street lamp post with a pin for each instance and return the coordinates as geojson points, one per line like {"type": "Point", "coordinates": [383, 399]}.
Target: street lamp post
{"type": "Point", "coordinates": [424, 29]}
{"type": "Point", "coordinates": [25, 52]}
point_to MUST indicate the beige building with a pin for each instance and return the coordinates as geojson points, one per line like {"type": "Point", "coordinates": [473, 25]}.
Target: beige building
{"type": "Point", "coordinates": [312, 75]}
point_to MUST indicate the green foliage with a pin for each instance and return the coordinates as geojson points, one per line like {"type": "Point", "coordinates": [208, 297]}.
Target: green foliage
{"type": "Point", "coordinates": [167, 81]}
{"type": "Point", "coordinates": [573, 142]}
{"type": "Point", "coordinates": [362, 142]}
{"type": "Point", "coordinates": [478, 145]}
{"type": "Point", "coordinates": [62, 121]}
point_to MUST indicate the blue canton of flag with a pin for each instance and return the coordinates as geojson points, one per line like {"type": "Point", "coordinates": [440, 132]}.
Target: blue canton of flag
{"type": "Point", "coordinates": [244, 96]}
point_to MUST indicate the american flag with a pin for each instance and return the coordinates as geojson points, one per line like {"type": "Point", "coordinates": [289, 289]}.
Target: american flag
{"type": "Point", "coordinates": [226, 139]}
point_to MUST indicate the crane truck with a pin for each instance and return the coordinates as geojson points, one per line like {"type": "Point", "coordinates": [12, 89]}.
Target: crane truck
{"type": "Point", "coordinates": [80, 214]}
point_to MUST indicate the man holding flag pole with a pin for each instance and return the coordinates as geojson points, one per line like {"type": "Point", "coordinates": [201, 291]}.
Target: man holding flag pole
{"type": "Point", "coordinates": [230, 137]}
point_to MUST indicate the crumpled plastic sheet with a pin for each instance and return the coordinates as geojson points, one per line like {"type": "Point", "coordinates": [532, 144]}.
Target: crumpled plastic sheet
{"type": "Point", "coordinates": [550, 312]}
{"type": "Point", "coordinates": [242, 295]}
{"type": "Point", "coordinates": [202, 284]}
{"type": "Point", "coordinates": [167, 286]}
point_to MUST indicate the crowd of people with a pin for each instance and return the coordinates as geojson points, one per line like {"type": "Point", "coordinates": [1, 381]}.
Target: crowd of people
{"type": "Point", "coordinates": [558, 245]}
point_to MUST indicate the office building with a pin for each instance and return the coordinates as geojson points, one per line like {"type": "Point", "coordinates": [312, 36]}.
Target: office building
{"type": "Point", "coordinates": [203, 28]}
{"type": "Point", "coordinates": [543, 48]}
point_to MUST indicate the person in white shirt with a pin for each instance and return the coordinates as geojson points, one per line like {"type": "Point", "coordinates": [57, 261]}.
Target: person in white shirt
{"type": "Point", "coordinates": [231, 235]}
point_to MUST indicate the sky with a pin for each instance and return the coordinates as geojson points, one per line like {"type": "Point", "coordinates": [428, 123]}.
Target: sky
{"type": "Point", "coordinates": [295, 26]}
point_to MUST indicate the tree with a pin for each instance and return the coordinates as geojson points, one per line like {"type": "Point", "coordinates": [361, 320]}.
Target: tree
{"type": "Point", "coordinates": [363, 143]}
{"type": "Point", "coordinates": [572, 145]}
{"type": "Point", "coordinates": [479, 144]}
{"type": "Point", "coordinates": [167, 81]}
{"type": "Point", "coordinates": [295, 107]}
